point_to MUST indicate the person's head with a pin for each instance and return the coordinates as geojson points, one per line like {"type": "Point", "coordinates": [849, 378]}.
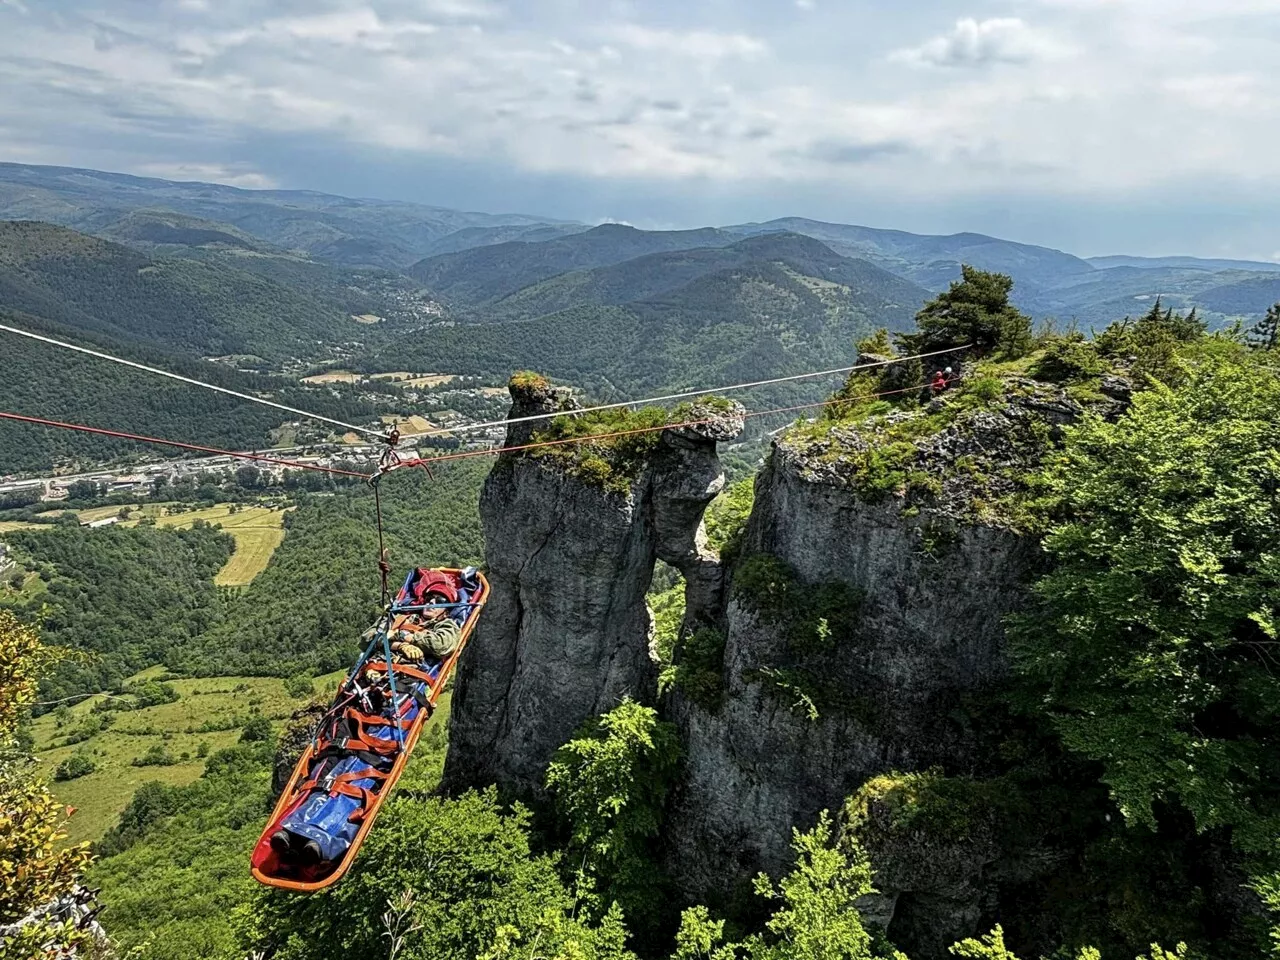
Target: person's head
{"type": "Point", "coordinates": [434, 611]}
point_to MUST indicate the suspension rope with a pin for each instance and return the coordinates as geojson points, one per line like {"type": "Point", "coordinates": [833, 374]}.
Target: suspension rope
{"type": "Point", "coordinates": [469, 428]}
{"type": "Point", "coordinates": [196, 383]}
{"type": "Point", "coordinates": [613, 435]}
{"type": "Point", "coordinates": [391, 461]}
{"type": "Point", "coordinates": [118, 434]}
{"type": "Point", "coordinates": [384, 564]}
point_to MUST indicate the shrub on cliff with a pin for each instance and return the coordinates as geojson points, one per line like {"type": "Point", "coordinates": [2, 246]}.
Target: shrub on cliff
{"type": "Point", "coordinates": [976, 311]}
{"type": "Point", "coordinates": [1151, 648]}
{"type": "Point", "coordinates": [609, 784]}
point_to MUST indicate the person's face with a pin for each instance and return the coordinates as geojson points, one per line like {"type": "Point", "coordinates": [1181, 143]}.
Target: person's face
{"type": "Point", "coordinates": [434, 613]}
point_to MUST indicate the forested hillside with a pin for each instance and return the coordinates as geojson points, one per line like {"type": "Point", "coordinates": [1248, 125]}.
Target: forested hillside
{"type": "Point", "coordinates": [651, 277]}
{"type": "Point", "coordinates": [181, 304]}
{"type": "Point", "coordinates": [60, 385]}
{"type": "Point", "coordinates": [764, 307]}
{"type": "Point", "coordinates": [353, 232]}
{"type": "Point", "coordinates": [487, 273]}
{"type": "Point", "coordinates": [305, 612]}
{"type": "Point", "coordinates": [124, 599]}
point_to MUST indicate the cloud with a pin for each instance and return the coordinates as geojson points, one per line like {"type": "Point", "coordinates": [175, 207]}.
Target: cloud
{"type": "Point", "coordinates": [233, 175]}
{"type": "Point", "coordinates": [1107, 98]}
{"type": "Point", "coordinates": [846, 152]}
{"type": "Point", "coordinates": [698, 44]}
{"type": "Point", "coordinates": [977, 43]}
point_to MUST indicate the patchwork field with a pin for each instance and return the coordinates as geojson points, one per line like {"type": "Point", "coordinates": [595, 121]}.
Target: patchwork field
{"type": "Point", "coordinates": [257, 530]}
{"type": "Point", "coordinates": [208, 716]}
{"type": "Point", "coordinates": [404, 378]}
{"type": "Point", "coordinates": [333, 376]}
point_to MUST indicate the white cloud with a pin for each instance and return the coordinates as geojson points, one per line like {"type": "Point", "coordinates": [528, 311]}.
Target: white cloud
{"type": "Point", "coordinates": [1098, 105]}
{"type": "Point", "coordinates": [1219, 91]}
{"type": "Point", "coordinates": [976, 43]}
{"type": "Point", "coordinates": [698, 44]}
{"type": "Point", "coordinates": [232, 176]}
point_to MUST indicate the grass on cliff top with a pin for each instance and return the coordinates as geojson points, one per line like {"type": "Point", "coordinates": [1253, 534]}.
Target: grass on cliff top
{"type": "Point", "coordinates": [610, 447]}
{"type": "Point", "coordinates": [892, 429]}
{"type": "Point", "coordinates": [612, 462]}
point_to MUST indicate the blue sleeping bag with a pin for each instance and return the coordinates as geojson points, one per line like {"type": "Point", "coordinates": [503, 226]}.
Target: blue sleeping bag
{"type": "Point", "coordinates": [326, 819]}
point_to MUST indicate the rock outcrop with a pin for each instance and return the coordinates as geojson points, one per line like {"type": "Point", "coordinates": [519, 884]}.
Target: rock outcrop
{"type": "Point", "coordinates": [802, 725]}
{"type": "Point", "coordinates": [862, 620]}
{"type": "Point", "coordinates": [567, 632]}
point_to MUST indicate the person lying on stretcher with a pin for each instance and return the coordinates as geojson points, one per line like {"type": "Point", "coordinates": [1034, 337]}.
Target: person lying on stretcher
{"type": "Point", "coordinates": [431, 633]}
{"type": "Point", "coordinates": [322, 827]}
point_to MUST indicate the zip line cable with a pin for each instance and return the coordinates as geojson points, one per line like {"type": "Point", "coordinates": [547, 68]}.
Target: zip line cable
{"type": "Point", "coordinates": [494, 451]}
{"type": "Point", "coordinates": [195, 383]}
{"type": "Point", "coordinates": [40, 421]}
{"type": "Point", "coordinates": [426, 462]}
{"type": "Point", "coordinates": [697, 393]}
{"type": "Point", "coordinates": [471, 428]}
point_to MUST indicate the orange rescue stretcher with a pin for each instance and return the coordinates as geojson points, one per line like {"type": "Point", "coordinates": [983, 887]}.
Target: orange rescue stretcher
{"type": "Point", "coordinates": [360, 746]}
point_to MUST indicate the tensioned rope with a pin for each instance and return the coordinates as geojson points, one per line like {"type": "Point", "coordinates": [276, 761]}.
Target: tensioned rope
{"type": "Point", "coordinates": [494, 451]}
{"type": "Point", "coordinates": [41, 421]}
{"type": "Point", "coordinates": [471, 427]}
{"type": "Point", "coordinates": [427, 461]}
{"type": "Point", "coordinates": [195, 383]}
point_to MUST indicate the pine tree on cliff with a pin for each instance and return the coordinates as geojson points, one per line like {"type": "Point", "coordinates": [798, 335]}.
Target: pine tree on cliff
{"type": "Point", "coordinates": [1265, 334]}
{"type": "Point", "coordinates": [975, 310]}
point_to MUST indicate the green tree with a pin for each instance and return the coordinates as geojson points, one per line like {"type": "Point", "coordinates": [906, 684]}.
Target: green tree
{"type": "Point", "coordinates": [1265, 334]}
{"type": "Point", "coordinates": [1150, 648]}
{"type": "Point", "coordinates": [975, 310]}
{"type": "Point", "coordinates": [36, 863]}
{"type": "Point", "coordinates": [816, 917]}
{"type": "Point", "coordinates": [256, 729]}
{"type": "Point", "coordinates": [609, 784]}
{"type": "Point", "coordinates": [478, 891]}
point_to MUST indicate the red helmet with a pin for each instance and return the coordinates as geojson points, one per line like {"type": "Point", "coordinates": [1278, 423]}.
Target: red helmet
{"type": "Point", "coordinates": [434, 581]}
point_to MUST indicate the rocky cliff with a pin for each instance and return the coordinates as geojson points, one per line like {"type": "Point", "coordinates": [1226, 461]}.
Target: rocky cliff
{"type": "Point", "coordinates": [861, 622]}
{"type": "Point", "coordinates": [571, 541]}
{"type": "Point", "coordinates": [923, 565]}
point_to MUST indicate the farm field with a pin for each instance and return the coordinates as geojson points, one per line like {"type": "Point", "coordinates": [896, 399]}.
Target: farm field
{"type": "Point", "coordinates": [257, 530]}
{"type": "Point", "coordinates": [183, 728]}
{"type": "Point", "coordinates": [333, 376]}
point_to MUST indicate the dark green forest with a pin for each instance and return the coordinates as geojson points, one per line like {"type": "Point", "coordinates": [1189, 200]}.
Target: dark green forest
{"type": "Point", "coordinates": [210, 310]}
{"type": "Point", "coordinates": [123, 599]}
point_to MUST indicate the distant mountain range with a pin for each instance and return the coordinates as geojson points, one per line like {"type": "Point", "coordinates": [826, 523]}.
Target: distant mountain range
{"type": "Point", "coordinates": [472, 259]}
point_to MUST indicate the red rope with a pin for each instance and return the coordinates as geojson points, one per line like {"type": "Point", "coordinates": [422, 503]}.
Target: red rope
{"type": "Point", "coordinates": [425, 462]}
{"type": "Point", "coordinates": [494, 451]}
{"type": "Point", "coordinates": [40, 421]}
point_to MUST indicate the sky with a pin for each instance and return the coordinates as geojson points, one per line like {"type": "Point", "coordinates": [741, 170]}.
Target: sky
{"type": "Point", "coordinates": [1096, 126]}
